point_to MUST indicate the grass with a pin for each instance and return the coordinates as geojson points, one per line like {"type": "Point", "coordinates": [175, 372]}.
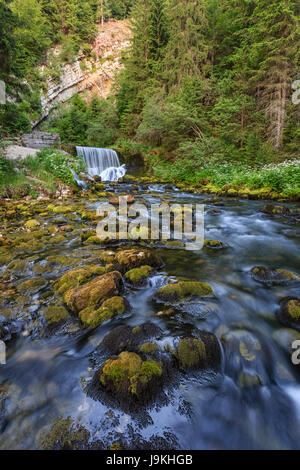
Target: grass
{"type": "Point", "coordinates": [283, 177]}
{"type": "Point", "coordinates": [35, 174]}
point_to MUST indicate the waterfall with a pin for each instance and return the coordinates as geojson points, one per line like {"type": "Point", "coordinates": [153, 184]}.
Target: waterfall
{"type": "Point", "coordinates": [102, 162]}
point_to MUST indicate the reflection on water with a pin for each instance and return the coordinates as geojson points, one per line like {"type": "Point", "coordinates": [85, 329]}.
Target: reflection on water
{"type": "Point", "coordinates": [44, 378]}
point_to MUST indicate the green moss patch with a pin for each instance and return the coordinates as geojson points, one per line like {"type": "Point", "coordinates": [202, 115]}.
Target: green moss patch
{"type": "Point", "coordinates": [110, 308]}
{"type": "Point", "coordinates": [138, 275]}
{"type": "Point", "coordinates": [184, 290]}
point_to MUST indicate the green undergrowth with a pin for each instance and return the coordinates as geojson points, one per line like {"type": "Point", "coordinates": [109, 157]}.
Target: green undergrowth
{"type": "Point", "coordinates": [282, 178]}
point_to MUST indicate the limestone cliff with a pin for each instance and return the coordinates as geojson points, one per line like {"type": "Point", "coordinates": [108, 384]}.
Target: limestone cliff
{"type": "Point", "coordinates": [93, 75]}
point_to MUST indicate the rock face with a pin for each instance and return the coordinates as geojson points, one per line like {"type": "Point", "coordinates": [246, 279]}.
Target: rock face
{"type": "Point", "coordinates": [94, 75]}
{"type": "Point", "coordinates": [39, 140]}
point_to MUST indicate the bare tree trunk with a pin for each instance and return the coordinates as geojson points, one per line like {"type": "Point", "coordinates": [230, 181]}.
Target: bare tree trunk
{"type": "Point", "coordinates": [281, 108]}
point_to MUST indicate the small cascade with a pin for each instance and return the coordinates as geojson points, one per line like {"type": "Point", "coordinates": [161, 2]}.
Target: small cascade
{"type": "Point", "coordinates": [82, 184]}
{"type": "Point", "coordinates": [102, 162]}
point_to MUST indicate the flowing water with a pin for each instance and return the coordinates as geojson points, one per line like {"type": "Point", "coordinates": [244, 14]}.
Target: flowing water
{"type": "Point", "coordinates": [102, 162]}
{"type": "Point", "coordinates": [45, 376]}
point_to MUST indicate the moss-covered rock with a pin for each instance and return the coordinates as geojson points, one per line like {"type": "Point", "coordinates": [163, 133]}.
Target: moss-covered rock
{"type": "Point", "coordinates": [94, 292]}
{"type": "Point", "coordinates": [31, 286]}
{"type": "Point", "coordinates": [128, 377]}
{"type": "Point", "coordinates": [184, 291]}
{"type": "Point", "coordinates": [56, 314]}
{"type": "Point", "coordinates": [77, 277]}
{"type": "Point", "coordinates": [199, 352]}
{"type": "Point", "coordinates": [141, 233]}
{"type": "Point", "coordinates": [124, 337]}
{"type": "Point", "coordinates": [65, 434]}
{"type": "Point", "coordinates": [138, 276]}
{"type": "Point", "coordinates": [60, 209]}
{"type": "Point", "coordinates": [130, 259]}
{"type": "Point", "coordinates": [266, 275]}
{"type": "Point", "coordinates": [289, 312]}
{"type": "Point", "coordinates": [110, 308]}
{"type": "Point", "coordinates": [32, 223]}
{"type": "Point", "coordinates": [215, 244]}
{"type": "Point", "coordinates": [248, 379]}
{"type": "Point", "coordinates": [148, 348]}
{"type": "Point", "coordinates": [271, 209]}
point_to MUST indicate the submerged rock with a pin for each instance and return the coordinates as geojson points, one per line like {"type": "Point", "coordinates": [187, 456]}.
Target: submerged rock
{"type": "Point", "coordinates": [65, 434]}
{"type": "Point", "coordinates": [93, 293]}
{"type": "Point", "coordinates": [264, 274]}
{"type": "Point", "coordinates": [199, 352]}
{"type": "Point", "coordinates": [56, 314]}
{"type": "Point", "coordinates": [31, 286]}
{"type": "Point", "coordinates": [271, 209]}
{"type": "Point", "coordinates": [289, 312]}
{"type": "Point", "coordinates": [184, 291]}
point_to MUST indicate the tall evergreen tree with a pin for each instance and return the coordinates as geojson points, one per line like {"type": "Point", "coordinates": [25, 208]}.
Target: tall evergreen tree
{"type": "Point", "coordinates": [273, 44]}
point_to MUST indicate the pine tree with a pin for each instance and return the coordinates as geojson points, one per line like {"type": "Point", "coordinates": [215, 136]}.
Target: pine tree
{"type": "Point", "coordinates": [187, 51]}
{"type": "Point", "coordinates": [273, 42]}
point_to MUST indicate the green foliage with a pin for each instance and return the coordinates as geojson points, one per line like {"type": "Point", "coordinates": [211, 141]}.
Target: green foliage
{"type": "Point", "coordinates": [6, 167]}
{"type": "Point", "coordinates": [216, 87]}
{"type": "Point", "coordinates": [57, 164]}
{"type": "Point", "coordinates": [95, 124]}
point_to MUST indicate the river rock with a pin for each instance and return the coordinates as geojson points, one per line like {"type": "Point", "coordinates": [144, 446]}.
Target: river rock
{"type": "Point", "coordinates": [124, 337]}
{"type": "Point", "coordinates": [199, 352]}
{"type": "Point", "coordinates": [267, 275]}
{"type": "Point", "coordinates": [184, 291]}
{"type": "Point", "coordinates": [130, 380]}
{"type": "Point", "coordinates": [138, 276]}
{"type": "Point", "coordinates": [289, 312]}
{"type": "Point", "coordinates": [95, 292]}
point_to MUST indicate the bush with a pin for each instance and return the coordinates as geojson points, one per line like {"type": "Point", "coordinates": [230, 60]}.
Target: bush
{"type": "Point", "coordinates": [56, 163]}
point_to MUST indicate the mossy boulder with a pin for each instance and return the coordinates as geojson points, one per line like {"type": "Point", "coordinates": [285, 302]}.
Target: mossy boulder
{"type": "Point", "coordinates": [148, 348]}
{"type": "Point", "coordinates": [65, 434]}
{"type": "Point", "coordinates": [289, 312]}
{"type": "Point", "coordinates": [199, 352]}
{"type": "Point", "coordinates": [110, 308]}
{"type": "Point", "coordinates": [32, 224]}
{"type": "Point", "coordinates": [124, 337]}
{"type": "Point", "coordinates": [95, 292]}
{"type": "Point", "coordinates": [138, 276]}
{"type": "Point", "coordinates": [60, 209]}
{"type": "Point", "coordinates": [267, 275]}
{"type": "Point", "coordinates": [141, 233]}
{"type": "Point", "coordinates": [272, 210]}
{"type": "Point", "coordinates": [130, 259]}
{"type": "Point", "coordinates": [128, 377]}
{"type": "Point", "coordinates": [215, 244]}
{"type": "Point", "coordinates": [76, 277]}
{"type": "Point", "coordinates": [184, 291]}
{"type": "Point", "coordinates": [56, 314]}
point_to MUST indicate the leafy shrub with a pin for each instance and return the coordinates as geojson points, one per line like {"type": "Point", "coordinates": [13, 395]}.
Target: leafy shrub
{"type": "Point", "coordinates": [56, 163]}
